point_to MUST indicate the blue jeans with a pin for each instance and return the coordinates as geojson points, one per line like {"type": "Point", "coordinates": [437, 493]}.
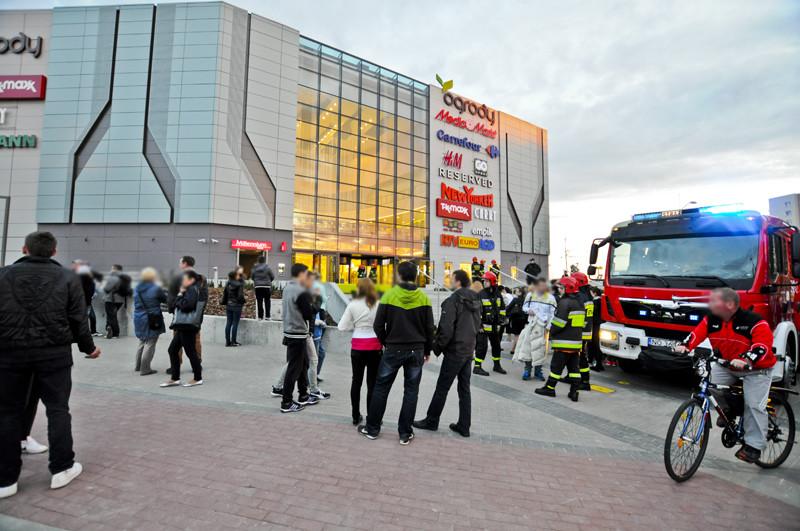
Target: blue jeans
{"type": "Point", "coordinates": [232, 325]}
{"type": "Point", "coordinates": [320, 353]}
{"type": "Point", "coordinates": [393, 360]}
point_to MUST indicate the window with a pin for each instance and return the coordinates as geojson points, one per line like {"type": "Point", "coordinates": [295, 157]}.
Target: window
{"type": "Point", "coordinates": [361, 156]}
{"type": "Point", "coordinates": [778, 262]}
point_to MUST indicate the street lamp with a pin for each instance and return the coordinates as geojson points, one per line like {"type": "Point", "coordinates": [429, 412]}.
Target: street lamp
{"type": "Point", "coordinates": [689, 203]}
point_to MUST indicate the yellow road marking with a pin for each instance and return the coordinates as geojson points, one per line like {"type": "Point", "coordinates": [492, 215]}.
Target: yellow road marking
{"type": "Point", "coordinates": [602, 389]}
{"type": "Point", "coordinates": [623, 383]}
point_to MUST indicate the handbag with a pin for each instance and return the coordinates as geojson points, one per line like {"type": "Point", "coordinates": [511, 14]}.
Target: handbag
{"type": "Point", "coordinates": [154, 322]}
{"type": "Point", "coordinates": [193, 318]}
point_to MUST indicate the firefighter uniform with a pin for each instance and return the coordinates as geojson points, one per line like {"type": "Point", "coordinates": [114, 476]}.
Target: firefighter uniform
{"type": "Point", "coordinates": [566, 339]}
{"type": "Point", "coordinates": [494, 268]}
{"type": "Point", "coordinates": [493, 316]}
{"type": "Point", "coordinates": [373, 274]}
{"type": "Point", "coordinates": [362, 272]}
{"type": "Point", "coordinates": [588, 305]}
{"type": "Point", "coordinates": [477, 271]}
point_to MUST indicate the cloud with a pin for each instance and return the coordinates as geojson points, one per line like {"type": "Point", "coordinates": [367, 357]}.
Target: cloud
{"type": "Point", "coordinates": [645, 103]}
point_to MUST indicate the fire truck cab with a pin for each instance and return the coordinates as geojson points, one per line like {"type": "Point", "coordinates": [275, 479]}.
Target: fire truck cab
{"type": "Point", "coordinates": [661, 266]}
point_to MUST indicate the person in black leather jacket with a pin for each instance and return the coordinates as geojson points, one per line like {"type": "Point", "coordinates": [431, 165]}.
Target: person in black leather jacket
{"type": "Point", "coordinates": [233, 300]}
{"type": "Point", "coordinates": [455, 337]}
{"type": "Point", "coordinates": [42, 312]}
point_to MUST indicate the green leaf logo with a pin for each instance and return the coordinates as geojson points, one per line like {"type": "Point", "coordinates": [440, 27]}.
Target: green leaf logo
{"type": "Point", "coordinates": [446, 85]}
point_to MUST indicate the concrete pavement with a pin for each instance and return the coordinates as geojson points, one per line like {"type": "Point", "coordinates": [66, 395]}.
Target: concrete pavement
{"type": "Point", "coordinates": [221, 456]}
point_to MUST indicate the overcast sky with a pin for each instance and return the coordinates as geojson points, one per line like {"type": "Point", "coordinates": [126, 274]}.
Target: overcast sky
{"type": "Point", "coordinates": [648, 105]}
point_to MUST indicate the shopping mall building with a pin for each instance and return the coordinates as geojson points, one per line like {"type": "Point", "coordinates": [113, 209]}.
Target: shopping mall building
{"type": "Point", "coordinates": [141, 133]}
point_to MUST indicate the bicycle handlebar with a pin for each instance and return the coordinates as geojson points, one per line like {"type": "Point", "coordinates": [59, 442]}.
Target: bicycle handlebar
{"type": "Point", "coordinates": [713, 355]}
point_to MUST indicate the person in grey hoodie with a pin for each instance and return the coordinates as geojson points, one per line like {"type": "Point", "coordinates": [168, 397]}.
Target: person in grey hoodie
{"type": "Point", "coordinates": [455, 337]}
{"type": "Point", "coordinates": [116, 291]}
{"type": "Point", "coordinates": [262, 277]}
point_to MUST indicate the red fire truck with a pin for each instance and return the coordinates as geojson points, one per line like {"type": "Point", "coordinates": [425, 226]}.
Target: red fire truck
{"type": "Point", "coordinates": [661, 267]}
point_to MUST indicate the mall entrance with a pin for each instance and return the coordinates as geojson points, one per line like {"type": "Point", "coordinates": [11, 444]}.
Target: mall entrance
{"type": "Point", "coordinates": [247, 259]}
{"type": "Point", "coordinates": [346, 269]}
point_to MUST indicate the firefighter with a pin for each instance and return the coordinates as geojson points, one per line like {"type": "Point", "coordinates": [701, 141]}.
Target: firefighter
{"type": "Point", "coordinates": [494, 268]}
{"type": "Point", "coordinates": [477, 271]}
{"type": "Point", "coordinates": [482, 269]}
{"type": "Point", "coordinates": [493, 317]}
{"type": "Point", "coordinates": [585, 296]}
{"type": "Point", "coordinates": [362, 271]}
{"type": "Point", "coordinates": [566, 332]}
{"type": "Point", "coordinates": [373, 272]}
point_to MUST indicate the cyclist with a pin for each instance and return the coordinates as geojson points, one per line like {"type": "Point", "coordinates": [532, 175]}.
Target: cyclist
{"type": "Point", "coordinates": [744, 339]}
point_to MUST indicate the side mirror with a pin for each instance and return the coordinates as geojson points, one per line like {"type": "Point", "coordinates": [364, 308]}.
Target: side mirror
{"type": "Point", "coordinates": [591, 270]}
{"type": "Point", "coordinates": [796, 247]}
{"type": "Point", "coordinates": [594, 250]}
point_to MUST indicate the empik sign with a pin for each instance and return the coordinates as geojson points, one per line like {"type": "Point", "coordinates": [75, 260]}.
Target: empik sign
{"type": "Point", "coordinates": [22, 87]}
{"type": "Point", "coordinates": [251, 245]}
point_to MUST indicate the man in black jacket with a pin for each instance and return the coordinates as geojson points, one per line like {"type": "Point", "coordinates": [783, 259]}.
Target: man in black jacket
{"type": "Point", "coordinates": [404, 326]}
{"type": "Point", "coordinates": [455, 337]}
{"type": "Point", "coordinates": [42, 312]}
{"type": "Point", "coordinates": [532, 271]}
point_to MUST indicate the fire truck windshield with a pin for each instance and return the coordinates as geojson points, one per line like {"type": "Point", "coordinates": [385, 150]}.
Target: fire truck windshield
{"type": "Point", "coordinates": [699, 262]}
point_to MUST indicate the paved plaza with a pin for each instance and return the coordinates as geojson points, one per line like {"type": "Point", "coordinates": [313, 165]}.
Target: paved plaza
{"type": "Point", "coordinates": [221, 456]}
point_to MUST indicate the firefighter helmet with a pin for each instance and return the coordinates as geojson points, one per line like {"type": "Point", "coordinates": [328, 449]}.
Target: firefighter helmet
{"type": "Point", "coordinates": [494, 262]}
{"type": "Point", "coordinates": [491, 277]}
{"type": "Point", "coordinates": [580, 278]}
{"type": "Point", "coordinates": [483, 262]}
{"type": "Point", "coordinates": [570, 284]}
{"type": "Point", "coordinates": [474, 258]}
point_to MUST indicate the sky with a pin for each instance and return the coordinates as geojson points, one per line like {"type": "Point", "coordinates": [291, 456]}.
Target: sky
{"type": "Point", "coordinates": [648, 105]}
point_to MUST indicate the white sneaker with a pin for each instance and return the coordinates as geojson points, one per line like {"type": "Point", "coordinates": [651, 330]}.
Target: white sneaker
{"type": "Point", "coordinates": [62, 479]}
{"type": "Point", "coordinates": [7, 492]}
{"type": "Point", "coordinates": [30, 446]}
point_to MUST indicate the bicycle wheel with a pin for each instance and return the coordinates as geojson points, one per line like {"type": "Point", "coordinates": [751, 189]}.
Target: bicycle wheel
{"type": "Point", "coordinates": [687, 440]}
{"type": "Point", "coordinates": [780, 432]}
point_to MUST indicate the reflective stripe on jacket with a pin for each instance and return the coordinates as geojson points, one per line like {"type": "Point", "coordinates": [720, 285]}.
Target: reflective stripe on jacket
{"type": "Point", "coordinates": [566, 332]}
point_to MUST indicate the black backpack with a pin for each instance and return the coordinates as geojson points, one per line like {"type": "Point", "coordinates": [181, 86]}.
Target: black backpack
{"type": "Point", "coordinates": [124, 286]}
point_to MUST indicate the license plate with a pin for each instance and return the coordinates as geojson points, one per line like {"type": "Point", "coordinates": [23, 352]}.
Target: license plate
{"type": "Point", "coordinates": [658, 342]}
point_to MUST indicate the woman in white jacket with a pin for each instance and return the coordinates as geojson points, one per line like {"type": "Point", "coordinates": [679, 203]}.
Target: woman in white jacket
{"type": "Point", "coordinates": [366, 350]}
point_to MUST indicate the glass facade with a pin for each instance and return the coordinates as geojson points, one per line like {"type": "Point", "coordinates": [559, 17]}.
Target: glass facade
{"type": "Point", "coordinates": [361, 183]}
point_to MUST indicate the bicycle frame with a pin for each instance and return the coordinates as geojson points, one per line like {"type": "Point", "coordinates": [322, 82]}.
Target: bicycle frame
{"type": "Point", "coordinates": [708, 398]}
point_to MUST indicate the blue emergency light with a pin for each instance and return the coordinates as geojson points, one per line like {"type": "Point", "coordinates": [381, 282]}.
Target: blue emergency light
{"type": "Point", "coordinates": [716, 209]}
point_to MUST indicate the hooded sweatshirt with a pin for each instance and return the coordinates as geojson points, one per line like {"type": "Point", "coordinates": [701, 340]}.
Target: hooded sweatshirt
{"type": "Point", "coordinates": [404, 319]}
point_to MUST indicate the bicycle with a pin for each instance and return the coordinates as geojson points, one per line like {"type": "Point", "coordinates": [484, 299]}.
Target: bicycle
{"type": "Point", "coordinates": [688, 434]}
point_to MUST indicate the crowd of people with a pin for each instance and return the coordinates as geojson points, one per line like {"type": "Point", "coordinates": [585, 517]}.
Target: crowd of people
{"type": "Point", "coordinates": [51, 309]}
